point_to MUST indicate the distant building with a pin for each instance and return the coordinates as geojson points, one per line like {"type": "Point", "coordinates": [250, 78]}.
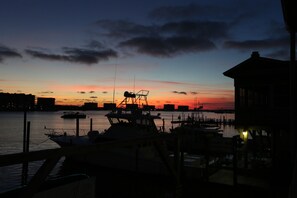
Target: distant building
{"type": "Point", "coordinates": [90, 106]}
{"type": "Point", "coordinates": [149, 107]}
{"type": "Point", "coordinates": [109, 106]}
{"type": "Point", "coordinates": [183, 108]}
{"type": "Point", "coordinates": [169, 107]}
{"type": "Point", "coordinates": [46, 104]}
{"type": "Point", "coordinates": [16, 101]}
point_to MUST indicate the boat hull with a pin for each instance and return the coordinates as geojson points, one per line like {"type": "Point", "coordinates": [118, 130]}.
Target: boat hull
{"type": "Point", "coordinates": [142, 160]}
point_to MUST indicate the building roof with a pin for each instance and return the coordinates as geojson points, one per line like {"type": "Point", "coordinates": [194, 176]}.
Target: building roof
{"type": "Point", "coordinates": [257, 65]}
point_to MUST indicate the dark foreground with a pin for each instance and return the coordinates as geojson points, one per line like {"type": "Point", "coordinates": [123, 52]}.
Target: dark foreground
{"type": "Point", "coordinates": [115, 183]}
{"type": "Point", "coordinates": [123, 185]}
{"type": "Point", "coordinates": [111, 183]}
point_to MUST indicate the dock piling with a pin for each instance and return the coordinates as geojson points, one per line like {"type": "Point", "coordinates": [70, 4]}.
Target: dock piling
{"type": "Point", "coordinates": [77, 127]}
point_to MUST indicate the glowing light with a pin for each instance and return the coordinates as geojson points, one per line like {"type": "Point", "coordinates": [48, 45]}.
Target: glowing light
{"type": "Point", "coordinates": [244, 135]}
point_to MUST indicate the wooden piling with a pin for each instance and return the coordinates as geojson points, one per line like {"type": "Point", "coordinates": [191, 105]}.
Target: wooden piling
{"type": "Point", "coordinates": [235, 171]}
{"type": "Point", "coordinates": [77, 127]}
{"type": "Point", "coordinates": [28, 137]}
{"type": "Point", "coordinates": [26, 143]}
{"type": "Point", "coordinates": [91, 124]}
{"type": "Point", "coordinates": [25, 131]}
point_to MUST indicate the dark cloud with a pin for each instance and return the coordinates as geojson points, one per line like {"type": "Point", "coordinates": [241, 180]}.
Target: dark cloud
{"type": "Point", "coordinates": [124, 29]}
{"type": "Point", "coordinates": [91, 91]}
{"type": "Point", "coordinates": [6, 52]}
{"type": "Point", "coordinates": [165, 40]}
{"type": "Point", "coordinates": [282, 54]}
{"type": "Point", "coordinates": [257, 44]}
{"type": "Point", "coordinates": [190, 28]}
{"type": "Point", "coordinates": [43, 55]}
{"type": "Point", "coordinates": [180, 92]}
{"type": "Point", "coordinates": [166, 47]}
{"type": "Point", "coordinates": [194, 92]}
{"type": "Point", "coordinates": [186, 11]}
{"type": "Point", "coordinates": [104, 92]}
{"type": "Point", "coordinates": [81, 92]}
{"type": "Point", "coordinates": [93, 97]}
{"type": "Point", "coordinates": [199, 29]}
{"type": "Point", "coordinates": [46, 92]}
{"type": "Point", "coordinates": [76, 55]}
{"type": "Point", "coordinates": [93, 44]}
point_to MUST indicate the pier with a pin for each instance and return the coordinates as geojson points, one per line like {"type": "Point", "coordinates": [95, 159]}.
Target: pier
{"type": "Point", "coordinates": [231, 181]}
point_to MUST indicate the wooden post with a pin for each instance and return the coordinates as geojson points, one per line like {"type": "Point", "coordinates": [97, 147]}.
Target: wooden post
{"type": "Point", "coordinates": [207, 156]}
{"type": "Point", "coordinates": [25, 146]}
{"type": "Point", "coordinates": [293, 96]}
{"type": "Point", "coordinates": [25, 131]}
{"type": "Point", "coordinates": [28, 137]}
{"type": "Point", "coordinates": [91, 124]}
{"type": "Point", "coordinates": [136, 157]}
{"type": "Point", "coordinates": [246, 151]}
{"type": "Point", "coordinates": [77, 127]}
{"type": "Point", "coordinates": [178, 164]}
{"type": "Point", "coordinates": [177, 153]}
{"type": "Point", "coordinates": [39, 177]}
{"type": "Point", "coordinates": [172, 122]}
{"type": "Point", "coordinates": [235, 139]}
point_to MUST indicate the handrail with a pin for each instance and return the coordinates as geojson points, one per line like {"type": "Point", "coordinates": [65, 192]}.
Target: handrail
{"type": "Point", "coordinates": [52, 156]}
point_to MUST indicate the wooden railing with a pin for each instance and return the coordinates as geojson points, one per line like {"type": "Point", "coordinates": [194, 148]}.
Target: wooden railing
{"type": "Point", "coordinates": [52, 156]}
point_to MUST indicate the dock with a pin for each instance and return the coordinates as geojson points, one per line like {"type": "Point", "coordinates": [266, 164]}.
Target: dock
{"type": "Point", "coordinates": [232, 180]}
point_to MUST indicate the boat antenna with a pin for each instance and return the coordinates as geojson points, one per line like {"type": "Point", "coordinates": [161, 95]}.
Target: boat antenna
{"type": "Point", "coordinates": [114, 81]}
{"type": "Point", "coordinates": [134, 85]}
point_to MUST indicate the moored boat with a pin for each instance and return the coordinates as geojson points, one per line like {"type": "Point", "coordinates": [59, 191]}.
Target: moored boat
{"type": "Point", "coordinates": [73, 115]}
{"type": "Point", "coordinates": [129, 121]}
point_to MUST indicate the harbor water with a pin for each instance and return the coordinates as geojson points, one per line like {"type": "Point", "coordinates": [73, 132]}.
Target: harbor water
{"type": "Point", "coordinates": [12, 124]}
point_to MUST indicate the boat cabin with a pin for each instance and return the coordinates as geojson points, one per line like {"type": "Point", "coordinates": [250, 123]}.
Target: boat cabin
{"type": "Point", "coordinates": [133, 118]}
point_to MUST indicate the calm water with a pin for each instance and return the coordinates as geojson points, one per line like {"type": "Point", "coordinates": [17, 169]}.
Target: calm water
{"type": "Point", "coordinates": [11, 139]}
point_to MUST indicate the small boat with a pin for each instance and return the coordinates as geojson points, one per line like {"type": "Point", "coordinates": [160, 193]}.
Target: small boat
{"type": "Point", "coordinates": [73, 115]}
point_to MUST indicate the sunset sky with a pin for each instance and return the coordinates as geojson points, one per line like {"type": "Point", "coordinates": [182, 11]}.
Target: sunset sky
{"type": "Point", "coordinates": [77, 50]}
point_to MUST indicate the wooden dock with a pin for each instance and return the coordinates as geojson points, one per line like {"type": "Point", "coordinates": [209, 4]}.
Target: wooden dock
{"type": "Point", "coordinates": [231, 181]}
{"type": "Point", "coordinates": [52, 156]}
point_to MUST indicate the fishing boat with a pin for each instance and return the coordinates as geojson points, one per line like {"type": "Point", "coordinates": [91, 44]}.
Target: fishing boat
{"type": "Point", "coordinates": [131, 121]}
{"type": "Point", "coordinates": [73, 115]}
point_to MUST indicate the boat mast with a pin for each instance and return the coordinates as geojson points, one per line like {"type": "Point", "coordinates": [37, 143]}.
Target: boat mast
{"type": "Point", "coordinates": [114, 81]}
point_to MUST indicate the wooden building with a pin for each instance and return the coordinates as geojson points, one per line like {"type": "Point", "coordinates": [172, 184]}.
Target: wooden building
{"type": "Point", "coordinates": [261, 93]}
{"type": "Point", "coordinates": [262, 109]}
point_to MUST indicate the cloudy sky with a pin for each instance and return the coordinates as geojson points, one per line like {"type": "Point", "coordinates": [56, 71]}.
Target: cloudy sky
{"type": "Point", "coordinates": [81, 50]}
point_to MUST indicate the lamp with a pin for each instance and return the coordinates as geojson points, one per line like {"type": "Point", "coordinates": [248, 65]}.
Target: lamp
{"type": "Point", "coordinates": [244, 136]}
